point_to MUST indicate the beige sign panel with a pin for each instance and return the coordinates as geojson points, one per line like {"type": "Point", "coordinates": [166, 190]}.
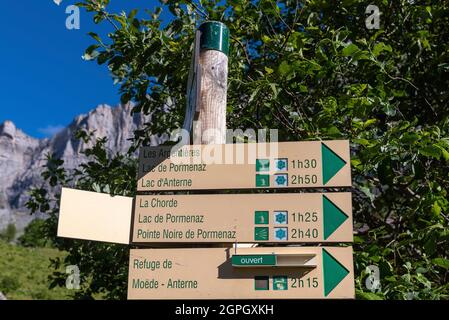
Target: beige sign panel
{"type": "Point", "coordinates": [245, 166]}
{"type": "Point", "coordinates": [249, 273]}
{"type": "Point", "coordinates": [261, 217]}
{"type": "Point", "coordinates": [94, 216]}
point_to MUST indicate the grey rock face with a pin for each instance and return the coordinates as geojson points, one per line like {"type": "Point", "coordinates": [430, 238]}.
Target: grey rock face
{"type": "Point", "coordinates": [22, 157]}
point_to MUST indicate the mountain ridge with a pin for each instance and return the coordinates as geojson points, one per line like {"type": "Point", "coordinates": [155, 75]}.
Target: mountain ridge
{"type": "Point", "coordinates": [22, 157]}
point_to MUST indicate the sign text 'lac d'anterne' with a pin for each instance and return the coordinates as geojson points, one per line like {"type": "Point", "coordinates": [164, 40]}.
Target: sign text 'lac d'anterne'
{"type": "Point", "coordinates": [303, 164]}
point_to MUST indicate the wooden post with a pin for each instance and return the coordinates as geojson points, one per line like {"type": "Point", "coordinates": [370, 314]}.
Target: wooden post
{"type": "Point", "coordinates": [210, 127]}
{"type": "Point", "coordinates": [213, 58]}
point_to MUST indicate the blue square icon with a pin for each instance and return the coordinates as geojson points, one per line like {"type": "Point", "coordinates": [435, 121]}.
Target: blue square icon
{"type": "Point", "coordinates": [281, 164]}
{"type": "Point", "coordinates": [280, 217]}
{"type": "Point", "coordinates": [281, 234]}
{"type": "Point", "coordinates": [281, 180]}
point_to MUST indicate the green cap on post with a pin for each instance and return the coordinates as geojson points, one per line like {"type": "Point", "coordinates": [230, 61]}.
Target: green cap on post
{"type": "Point", "coordinates": [214, 36]}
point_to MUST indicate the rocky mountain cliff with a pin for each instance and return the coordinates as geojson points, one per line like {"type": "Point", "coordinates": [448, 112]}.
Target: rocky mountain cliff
{"type": "Point", "coordinates": [22, 157]}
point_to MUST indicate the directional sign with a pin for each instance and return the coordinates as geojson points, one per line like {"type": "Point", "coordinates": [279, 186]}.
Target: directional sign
{"type": "Point", "coordinates": [260, 217]}
{"type": "Point", "coordinates": [249, 273]}
{"type": "Point", "coordinates": [245, 166]}
{"type": "Point", "coordinates": [94, 216]}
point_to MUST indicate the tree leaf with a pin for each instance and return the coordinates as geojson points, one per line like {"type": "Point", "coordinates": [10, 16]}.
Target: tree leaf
{"type": "Point", "coordinates": [269, 70]}
{"type": "Point", "coordinates": [350, 50]}
{"type": "Point", "coordinates": [284, 68]}
{"type": "Point", "coordinates": [431, 152]}
{"type": "Point", "coordinates": [441, 262]}
{"type": "Point", "coordinates": [368, 295]}
{"type": "Point", "coordinates": [380, 47]}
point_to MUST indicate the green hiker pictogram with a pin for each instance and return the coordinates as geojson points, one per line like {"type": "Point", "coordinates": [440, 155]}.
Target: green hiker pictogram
{"type": "Point", "coordinates": [262, 180]}
{"type": "Point", "coordinates": [261, 217]}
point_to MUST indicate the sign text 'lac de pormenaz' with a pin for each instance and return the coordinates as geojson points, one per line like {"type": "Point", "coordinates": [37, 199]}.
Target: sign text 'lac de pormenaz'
{"type": "Point", "coordinates": [260, 217]}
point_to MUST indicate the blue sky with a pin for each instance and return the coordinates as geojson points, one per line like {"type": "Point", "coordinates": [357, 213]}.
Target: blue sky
{"type": "Point", "coordinates": [44, 83]}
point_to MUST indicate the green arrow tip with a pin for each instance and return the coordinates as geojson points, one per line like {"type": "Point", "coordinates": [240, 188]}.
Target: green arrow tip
{"type": "Point", "coordinates": [331, 163]}
{"type": "Point", "coordinates": [333, 217]}
{"type": "Point", "coordinates": [333, 272]}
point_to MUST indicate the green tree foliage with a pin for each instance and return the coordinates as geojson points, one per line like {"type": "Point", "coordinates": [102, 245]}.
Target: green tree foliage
{"type": "Point", "coordinates": [9, 284]}
{"type": "Point", "coordinates": [24, 273]}
{"type": "Point", "coordinates": [34, 235]}
{"type": "Point", "coordinates": [312, 70]}
{"type": "Point", "coordinates": [103, 267]}
{"type": "Point", "coordinates": [9, 233]}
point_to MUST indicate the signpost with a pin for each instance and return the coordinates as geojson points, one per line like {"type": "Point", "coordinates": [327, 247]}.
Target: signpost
{"type": "Point", "coordinates": [305, 164]}
{"type": "Point", "coordinates": [213, 83]}
{"type": "Point", "coordinates": [253, 273]}
{"type": "Point", "coordinates": [261, 218]}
